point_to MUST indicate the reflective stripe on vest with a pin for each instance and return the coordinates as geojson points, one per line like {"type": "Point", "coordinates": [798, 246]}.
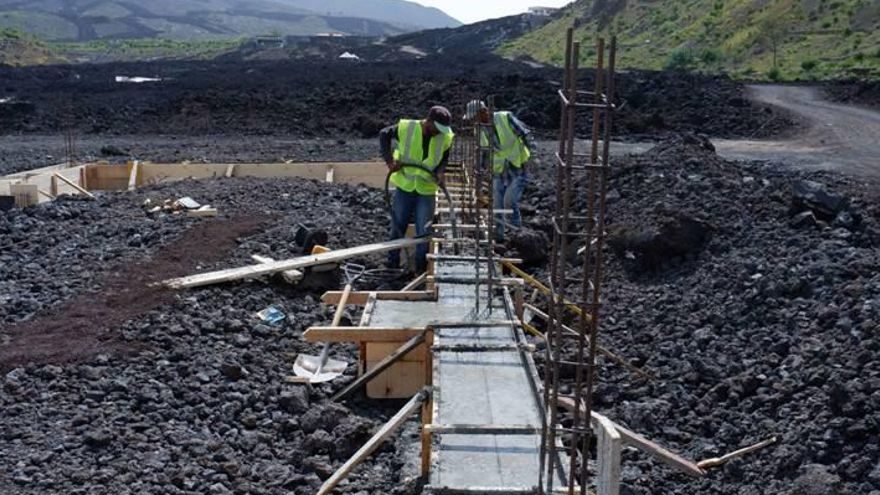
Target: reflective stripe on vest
{"type": "Point", "coordinates": [511, 147]}
{"type": "Point", "coordinates": [410, 150]}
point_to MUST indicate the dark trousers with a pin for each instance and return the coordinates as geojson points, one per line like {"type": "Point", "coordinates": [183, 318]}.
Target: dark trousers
{"type": "Point", "coordinates": [419, 209]}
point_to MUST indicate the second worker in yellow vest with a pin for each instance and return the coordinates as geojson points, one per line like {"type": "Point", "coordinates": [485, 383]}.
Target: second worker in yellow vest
{"type": "Point", "coordinates": [512, 144]}
{"type": "Point", "coordinates": [418, 162]}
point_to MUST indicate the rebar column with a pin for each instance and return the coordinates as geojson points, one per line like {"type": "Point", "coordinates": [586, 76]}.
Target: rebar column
{"type": "Point", "coordinates": [579, 216]}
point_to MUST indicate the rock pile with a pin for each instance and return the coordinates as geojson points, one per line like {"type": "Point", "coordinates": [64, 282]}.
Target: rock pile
{"type": "Point", "coordinates": [767, 327]}
{"type": "Point", "coordinates": [195, 403]}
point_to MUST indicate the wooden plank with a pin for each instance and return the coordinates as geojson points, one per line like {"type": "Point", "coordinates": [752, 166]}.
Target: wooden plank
{"type": "Point", "coordinates": [608, 449]}
{"type": "Point", "coordinates": [73, 185]}
{"type": "Point", "coordinates": [373, 443]}
{"type": "Point", "coordinates": [360, 334]}
{"type": "Point", "coordinates": [290, 276]}
{"type": "Point", "coordinates": [638, 441]}
{"type": "Point", "coordinates": [44, 193]}
{"type": "Point", "coordinates": [291, 264]}
{"type": "Point", "coordinates": [53, 186]}
{"type": "Point", "coordinates": [416, 282]}
{"type": "Point", "coordinates": [381, 366]}
{"type": "Point", "coordinates": [361, 298]}
{"type": "Point", "coordinates": [203, 212]}
{"type": "Point", "coordinates": [376, 351]}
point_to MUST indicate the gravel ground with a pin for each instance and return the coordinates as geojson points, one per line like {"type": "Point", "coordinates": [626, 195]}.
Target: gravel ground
{"type": "Point", "coordinates": [184, 394]}
{"type": "Point", "coordinates": [756, 317]}
{"type": "Point", "coordinates": [756, 321]}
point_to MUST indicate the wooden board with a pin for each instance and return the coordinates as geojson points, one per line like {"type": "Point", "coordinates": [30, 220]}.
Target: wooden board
{"type": "Point", "coordinates": [361, 298]}
{"type": "Point", "coordinates": [376, 351]}
{"type": "Point", "coordinates": [360, 334]}
{"type": "Point", "coordinates": [291, 264]}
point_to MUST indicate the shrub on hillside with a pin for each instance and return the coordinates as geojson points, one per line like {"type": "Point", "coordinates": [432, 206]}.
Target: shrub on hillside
{"type": "Point", "coordinates": [679, 60]}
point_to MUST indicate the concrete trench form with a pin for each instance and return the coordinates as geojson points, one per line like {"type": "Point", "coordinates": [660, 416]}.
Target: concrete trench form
{"type": "Point", "coordinates": [475, 387]}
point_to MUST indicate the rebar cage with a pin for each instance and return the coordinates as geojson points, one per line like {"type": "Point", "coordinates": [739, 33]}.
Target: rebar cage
{"type": "Point", "coordinates": [578, 233]}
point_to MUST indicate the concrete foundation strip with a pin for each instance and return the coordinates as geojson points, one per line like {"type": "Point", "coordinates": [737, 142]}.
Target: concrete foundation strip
{"type": "Point", "coordinates": [439, 490]}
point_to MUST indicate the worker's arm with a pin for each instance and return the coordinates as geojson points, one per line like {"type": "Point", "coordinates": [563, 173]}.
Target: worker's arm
{"type": "Point", "coordinates": [386, 148]}
{"type": "Point", "coordinates": [522, 131]}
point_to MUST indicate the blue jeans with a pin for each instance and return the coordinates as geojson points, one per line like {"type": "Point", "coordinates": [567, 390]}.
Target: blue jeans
{"type": "Point", "coordinates": [404, 207]}
{"type": "Point", "coordinates": [508, 191]}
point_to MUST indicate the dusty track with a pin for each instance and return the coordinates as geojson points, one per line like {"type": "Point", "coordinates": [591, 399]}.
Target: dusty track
{"type": "Point", "coordinates": [836, 136]}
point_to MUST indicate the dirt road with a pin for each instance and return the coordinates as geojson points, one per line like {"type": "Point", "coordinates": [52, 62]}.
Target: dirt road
{"type": "Point", "coordinates": [836, 137]}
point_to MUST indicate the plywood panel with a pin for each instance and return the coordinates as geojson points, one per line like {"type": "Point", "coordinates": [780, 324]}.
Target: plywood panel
{"type": "Point", "coordinates": [401, 380]}
{"type": "Point", "coordinates": [106, 177]}
{"type": "Point", "coordinates": [154, 172]}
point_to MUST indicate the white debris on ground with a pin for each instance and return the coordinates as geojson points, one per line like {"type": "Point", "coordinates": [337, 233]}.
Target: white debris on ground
{"type": "Point", "coordinates": [137, 80]}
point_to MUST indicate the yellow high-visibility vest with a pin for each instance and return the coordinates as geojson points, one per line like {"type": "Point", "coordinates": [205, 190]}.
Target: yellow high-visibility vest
{"type": "Point", "coordinates": [511, 147]}
{"type": "Point", "coordinates": [410, 151]}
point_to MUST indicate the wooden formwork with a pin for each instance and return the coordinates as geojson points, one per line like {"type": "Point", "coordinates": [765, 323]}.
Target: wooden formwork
{"type": "Point", "coordinates": [129, 176]}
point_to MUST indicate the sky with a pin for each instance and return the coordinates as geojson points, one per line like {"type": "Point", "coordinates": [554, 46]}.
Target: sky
{"type": "Point", "coordinates": [469, 11]}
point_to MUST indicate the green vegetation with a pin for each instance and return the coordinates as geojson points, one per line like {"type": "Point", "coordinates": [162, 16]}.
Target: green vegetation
{"type": "Point", "coordinates": [146, 48]}
{"type": "Point", "coordinates": [19, 48]}
{"type": "Point", "coordinates": [762, 39]}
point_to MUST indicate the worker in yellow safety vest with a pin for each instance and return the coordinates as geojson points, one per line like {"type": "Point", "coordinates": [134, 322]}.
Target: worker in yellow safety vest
{"type": "Point", "coordinates": [512, 144]}
{"type": "Point", "coordinates": [424, 145]}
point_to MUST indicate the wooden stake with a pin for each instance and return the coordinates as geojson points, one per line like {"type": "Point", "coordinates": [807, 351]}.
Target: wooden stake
{"type": "Point", "coordinates": [133, 176]}
{"type": "Point", "coordinates": [608, 447]}
{"type": "Point", "coordinates": [386, 431]}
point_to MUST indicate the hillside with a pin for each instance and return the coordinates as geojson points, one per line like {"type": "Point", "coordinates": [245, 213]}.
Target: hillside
{"type": "Point", "coordinates": [20, 49]}
{"type": "Point", "coordinates": [87, 20]}
{"type": "Point", "coordinates": [807, 38]}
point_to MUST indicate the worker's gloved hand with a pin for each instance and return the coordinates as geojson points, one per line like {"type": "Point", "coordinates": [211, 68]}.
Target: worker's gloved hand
{"type": "Point", "coordinates": [393, 166]}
